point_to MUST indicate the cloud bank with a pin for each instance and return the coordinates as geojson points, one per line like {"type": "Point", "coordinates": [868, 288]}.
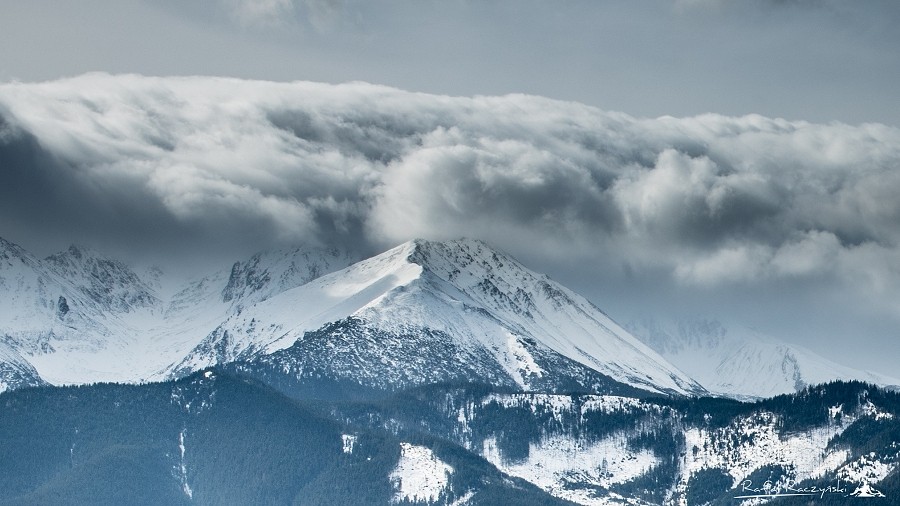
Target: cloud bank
{"type": "Point", "coordinates": [219, 167]}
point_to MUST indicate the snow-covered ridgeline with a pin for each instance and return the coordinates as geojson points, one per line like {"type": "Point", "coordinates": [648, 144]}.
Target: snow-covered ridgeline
{"type": "Point", "coordinates": [740, 362]}
{"type": "Point", "coordinates": [535, 306]}
{"type": "Point", "coordinates": [79, 317]}
{"type": "Point", "coordinates": [459, 299]}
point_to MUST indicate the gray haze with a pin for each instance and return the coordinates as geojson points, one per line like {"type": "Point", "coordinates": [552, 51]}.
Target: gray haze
{"type": "Point", "coordinates": [797, 59]}
{"type": "Point", "coordinates": [696, 200]}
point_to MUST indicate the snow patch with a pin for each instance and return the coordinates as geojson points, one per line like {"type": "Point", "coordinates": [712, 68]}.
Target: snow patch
{"type": "Point", "coordinates": [869, 409]}
{"type": "Point", "coordinates": [462, 501]}
{"type": "Point", "coordinates": [830, 462]}
{"type": "Point", "coordinates": [524, 361]}
{"type": "Point", "coordinates": [752, 442]}
{"type": "Point", "coordinates": [835, 411]}
{"type": "Point", "coordinates": [419, 476]}
{"type": "Point", "coordinates": [866, 470]}
{"type": "Point", "coordinates": [349, 441]}
{"type": "Point", "coordinates": [183, 467]}
{"type": "Point", "coordinates": [570, 468]}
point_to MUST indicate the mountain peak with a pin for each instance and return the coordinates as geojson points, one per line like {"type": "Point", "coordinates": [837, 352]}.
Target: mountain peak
{"type": "Point", "coordinates": [449, 257]}
{"type": "Point", "coordinates": [77, 255]}
{"type": "Point", "coordinates": [75, 252]}
{"type": "Point", "coordinates": [13, 256]}
{"type": "Point", "coordinates": [5, 245]}
{"type": "Point", "coordinates": [268, 273]}
{"type": "Point", "coordinates": [424, 311]}
{"type": "Point", "coordinates": [429, 311]}
{"type": "Point", "coordinates": [79, 252]}
{"type": "Point", "coordinates": [105, 280]}
{"type": "Point", "coordinates": [8, 248]}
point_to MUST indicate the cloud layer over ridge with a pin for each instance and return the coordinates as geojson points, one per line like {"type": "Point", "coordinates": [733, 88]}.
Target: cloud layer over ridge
{"type": "Point", "coordinates": [220, 167]}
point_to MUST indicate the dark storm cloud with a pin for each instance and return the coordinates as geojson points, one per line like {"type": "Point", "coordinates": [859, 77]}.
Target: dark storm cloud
{"type": "Point", "coordinates": [43, 196]}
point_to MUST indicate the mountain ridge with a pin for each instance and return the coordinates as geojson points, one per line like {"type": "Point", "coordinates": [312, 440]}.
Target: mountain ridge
{"type": "Point", "coordinates": [79, 317]}
{"type": "Point", "coordinates": [460, 296]}
{"type": "Point", "coordinates": [741, 362]}
{"type": "Point", "coordinates": [111, 325]}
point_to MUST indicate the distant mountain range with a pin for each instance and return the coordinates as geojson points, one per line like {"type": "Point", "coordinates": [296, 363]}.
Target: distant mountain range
{"type": "Point", "coordinates": [740, 362]}
{"type": "Point", "coordinates": [420, 313]}
{"type": "Point", "coordinates": [439, 373]}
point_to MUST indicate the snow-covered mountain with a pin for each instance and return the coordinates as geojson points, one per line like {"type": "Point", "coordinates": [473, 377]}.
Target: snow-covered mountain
{"type": "Point", "coordinates": [45, 312]}
{"type": "Point", "coordinates": [428, 312]}
{"type": "Point", "coordinates": [15, 371]}
{"type": "Point", "coordinates": [445, 318]}
{"type": "Point", "coordinates": [419, 313]}
{"type": "Point", "coordinates": [422, 312]}
{"type": "Point", "coordinates": [79, 317]}
{"type": "Point", "coordinates": [110, 284]}
{"type": "Point", "coordinates": [740, 362]}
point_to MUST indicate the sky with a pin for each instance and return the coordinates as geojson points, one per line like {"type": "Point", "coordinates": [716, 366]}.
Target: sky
{"type": "Point", "coordinates": [695, 158]}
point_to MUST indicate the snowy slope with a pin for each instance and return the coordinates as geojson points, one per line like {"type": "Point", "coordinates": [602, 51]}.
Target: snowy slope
{"type": "Point", "coordinates": [76, 317]}
{"type": "Point", "coordinates": [44, 313]}
{"type": "Point", "coordinates": [15, 371]}
{"type": "Point", "coordinates": [79, 317]}
{"type": "Point", "coordinates": [740, 362]}
{"type": "Point", "coordinates": [420, 476]}
{"type": "Point", "coordinates": [201, 306]}
{"type": "Point", "coordinates": [112, 285]}
{"type": "Point", "coordinates": [271, 272]}
{"type": "Point", "coordinates": [611, 450]}
{"type": "Point", "coordinates": [428, 311]}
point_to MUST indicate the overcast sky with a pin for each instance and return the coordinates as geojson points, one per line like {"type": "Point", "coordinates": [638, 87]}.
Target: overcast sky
{"type": "Point", "coordinates": [740, 162]}
{"type": "Point", "coordinates": [815, 60]}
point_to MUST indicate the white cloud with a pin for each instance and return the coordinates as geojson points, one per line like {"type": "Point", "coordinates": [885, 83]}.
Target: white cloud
{"type": "Point", "coordinates": [259, 12]}
{"type": "Point", "coordinates": [321, 15]}
{"type": "Point", "coordinates": [733, 263]}
{"type": "Point", "coordinates": [812, 253]}
{"type": "Point", "coordinates": [710, 200]}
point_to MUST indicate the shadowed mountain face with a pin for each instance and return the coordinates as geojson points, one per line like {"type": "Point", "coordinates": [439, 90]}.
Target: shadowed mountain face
{"type": "Point", "coordinates": [219, 438]}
